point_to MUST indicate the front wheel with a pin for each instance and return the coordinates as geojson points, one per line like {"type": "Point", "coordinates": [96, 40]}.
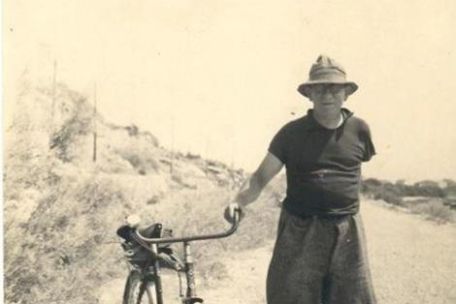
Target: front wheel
{"type": "Point", "coordinates": [139, 290]}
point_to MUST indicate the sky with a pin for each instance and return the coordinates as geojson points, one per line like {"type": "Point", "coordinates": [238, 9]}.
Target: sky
{"type": "Point", "coordinates": [219, 78]}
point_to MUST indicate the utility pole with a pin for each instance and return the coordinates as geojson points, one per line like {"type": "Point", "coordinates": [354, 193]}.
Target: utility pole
{"type": "Point", "coordinates": [172, 144]}
{"type": "Point", "coordinates": [54, 93]}
{"type": "Point", "coordinates": [206, 152]}
{"type": "Point", "coordinates": [232, 151]}
{"type": "Point", "coordinates": [95, 124]}
{"type": "Point", "coordinates": [232, 174]}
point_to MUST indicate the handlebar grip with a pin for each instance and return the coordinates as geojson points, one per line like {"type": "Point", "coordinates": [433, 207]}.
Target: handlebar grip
{"type": "Point", "coordinates": [237, 215]}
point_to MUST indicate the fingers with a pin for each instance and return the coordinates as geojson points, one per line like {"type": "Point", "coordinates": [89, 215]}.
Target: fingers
{"type": "Point", "coordinates": [234, 207]}
{"type": "Point", "coordinates": [237, 212]}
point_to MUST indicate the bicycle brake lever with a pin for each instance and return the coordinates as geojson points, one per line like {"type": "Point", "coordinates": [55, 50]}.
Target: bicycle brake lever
{"type": "Point", "coordinates": [171, 261]}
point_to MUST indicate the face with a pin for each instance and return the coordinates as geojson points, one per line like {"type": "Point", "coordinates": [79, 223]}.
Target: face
{"type": "Point", "coordinates": [327, 97]}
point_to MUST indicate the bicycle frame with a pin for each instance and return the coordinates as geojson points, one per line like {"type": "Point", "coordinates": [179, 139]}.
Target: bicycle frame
{"type": "Point", "coordinates": [190, 296]}
{"type": "Point", "coordinates": [188, 267]}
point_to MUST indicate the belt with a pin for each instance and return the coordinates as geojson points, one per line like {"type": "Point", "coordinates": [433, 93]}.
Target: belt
{"type": "Point", "coordinates": [324, 216]}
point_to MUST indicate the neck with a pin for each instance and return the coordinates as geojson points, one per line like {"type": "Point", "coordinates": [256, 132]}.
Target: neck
{"type": "Point", "coordinates": [328, 119]}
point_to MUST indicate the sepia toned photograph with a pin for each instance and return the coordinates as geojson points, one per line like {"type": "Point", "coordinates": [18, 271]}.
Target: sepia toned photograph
{"type": "Point", "coordinates": [229, 152]}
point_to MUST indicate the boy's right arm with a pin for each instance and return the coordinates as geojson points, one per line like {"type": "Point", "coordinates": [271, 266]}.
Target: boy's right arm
{"type": "Point", "coordinates": [252, 188]}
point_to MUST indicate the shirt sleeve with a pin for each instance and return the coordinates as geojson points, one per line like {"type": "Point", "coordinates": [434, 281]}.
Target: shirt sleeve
{"type": "Point", "coordinates": [278, 145]}
{"type": "Point", "coordinates": [366, 138]}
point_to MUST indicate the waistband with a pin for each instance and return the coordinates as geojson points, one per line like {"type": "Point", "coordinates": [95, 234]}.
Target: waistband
{"type": "Point", "coordinates": [325, 216]}
{"type": "Point", "coordinates": [319, 213]}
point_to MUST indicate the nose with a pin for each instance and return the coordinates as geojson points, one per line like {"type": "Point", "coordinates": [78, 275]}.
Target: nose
{"type": "Point", "coordinates": [327, 93]}
{"type": "Point", "coordinates": [327, 96]}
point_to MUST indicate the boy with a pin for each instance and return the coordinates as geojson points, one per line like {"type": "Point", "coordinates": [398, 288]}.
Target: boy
{"type": "Point", "coordinates": [320, 254]}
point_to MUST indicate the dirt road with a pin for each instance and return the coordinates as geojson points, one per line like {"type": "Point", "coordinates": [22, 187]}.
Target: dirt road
{"type": "Point", "coordinates": [413, 261]}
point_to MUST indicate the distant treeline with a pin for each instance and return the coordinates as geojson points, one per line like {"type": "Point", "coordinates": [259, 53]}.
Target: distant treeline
{"type": "Point", "coordinates": [395, 192]}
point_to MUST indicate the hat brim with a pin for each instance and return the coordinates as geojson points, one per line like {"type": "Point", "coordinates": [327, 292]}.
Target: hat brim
{"type": "Point", "coordinates": [304, 89]}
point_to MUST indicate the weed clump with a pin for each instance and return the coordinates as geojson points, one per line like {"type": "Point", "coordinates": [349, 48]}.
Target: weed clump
{"type": "Point", "coordinates": [435, 210]}
{"type": "Point", "coordinates": [425, 197]}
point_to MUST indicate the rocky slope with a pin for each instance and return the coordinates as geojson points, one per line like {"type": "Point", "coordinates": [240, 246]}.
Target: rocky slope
{"type": "Point", "coordinates": [62, 208]}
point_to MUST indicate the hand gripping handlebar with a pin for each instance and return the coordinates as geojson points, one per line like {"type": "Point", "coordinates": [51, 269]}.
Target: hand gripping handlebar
{"type": "Point", "coordinates": [233, 228]}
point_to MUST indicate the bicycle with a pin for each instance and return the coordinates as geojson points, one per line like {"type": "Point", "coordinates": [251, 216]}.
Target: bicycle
{"type": "Point", "coordinates": [148, 250]}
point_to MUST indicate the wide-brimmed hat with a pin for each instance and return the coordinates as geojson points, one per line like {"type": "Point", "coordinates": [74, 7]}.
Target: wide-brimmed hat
{"type": "Point", "coordinates": [327, 71]}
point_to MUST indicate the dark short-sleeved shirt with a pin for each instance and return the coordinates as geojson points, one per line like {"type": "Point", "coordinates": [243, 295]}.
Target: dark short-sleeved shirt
{"type": "Point", "coordinates": [323, 166]}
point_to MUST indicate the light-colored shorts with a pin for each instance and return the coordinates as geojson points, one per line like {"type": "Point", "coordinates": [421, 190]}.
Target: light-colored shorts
{"type": "Point", "coordinates": [320, 260]}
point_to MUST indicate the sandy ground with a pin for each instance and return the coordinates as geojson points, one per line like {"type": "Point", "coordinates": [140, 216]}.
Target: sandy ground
{"type": "Point", "coordinates": [412, 260]}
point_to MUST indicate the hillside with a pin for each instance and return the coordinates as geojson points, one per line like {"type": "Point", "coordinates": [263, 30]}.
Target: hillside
{"type": "Point", "coordinates": [62, 209]}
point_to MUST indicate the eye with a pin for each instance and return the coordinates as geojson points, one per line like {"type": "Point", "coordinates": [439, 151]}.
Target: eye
{"type": "Point", "coordinates": [319, 89]}
{"type": "Point", "coordinates": [335, 88]}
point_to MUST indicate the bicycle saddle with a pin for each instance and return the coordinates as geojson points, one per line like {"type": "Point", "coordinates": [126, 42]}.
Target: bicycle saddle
{"type": "Point", "coordinates": [152, 231]}
{"type": "Point", "coordinates": [139, 255]}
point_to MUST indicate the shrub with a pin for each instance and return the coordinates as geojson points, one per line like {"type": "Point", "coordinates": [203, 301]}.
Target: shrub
{"type": "Point", "coordinates": [153, 200]}
{"type": "Point", "coordinates": [393, 192]}
{"type": "Point", "coordinates": [450, 202]}
{"type": "Point", "coordinates": [370, 186]}
{"type": "Point", "coordinates": [428, 188]}
{"type": "Point", "coordinates": [142, 162]}
{"type": "Point", "coordinates": [389, 197]}
{"type": "Point", "coordinates": [450, 188]}
{"type": "Point", "coordinates": [435, 210]}
{"type": "Point", "coordinates": [132, 130]}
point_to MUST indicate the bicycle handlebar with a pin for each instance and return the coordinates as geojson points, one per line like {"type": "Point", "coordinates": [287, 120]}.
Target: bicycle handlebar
{"type": "Point", "coordinates": [229, 232]}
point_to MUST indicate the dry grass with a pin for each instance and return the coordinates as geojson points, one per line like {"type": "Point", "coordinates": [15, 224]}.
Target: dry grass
{"type": "Point", "coordinates": [434, 210]}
